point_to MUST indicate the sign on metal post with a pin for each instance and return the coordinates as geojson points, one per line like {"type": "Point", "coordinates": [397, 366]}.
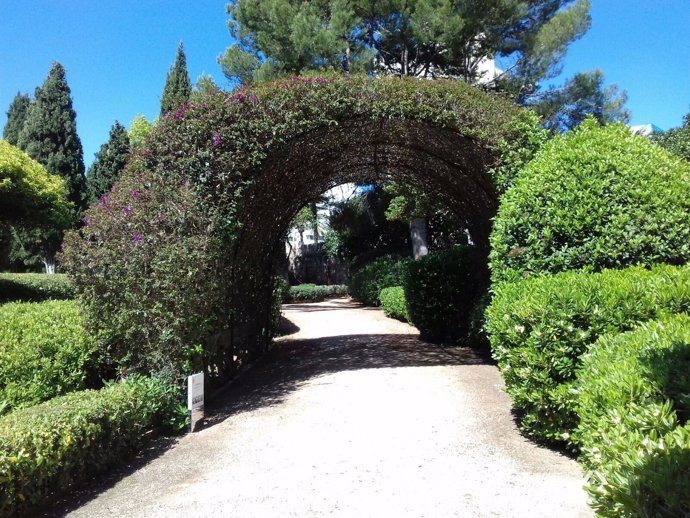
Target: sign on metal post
{"type": "Point", "coordinates": [195, 397]}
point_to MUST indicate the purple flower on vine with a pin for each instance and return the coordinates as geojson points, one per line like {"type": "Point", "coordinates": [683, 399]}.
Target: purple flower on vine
{"type": "Point", "coordinates": [86, 221]}
{"type": "Point", "coordinates": [321, 81]}
{"type": "Point", "coordinates": [216, 138]}
{"type": "Point", "coordinates": [136, 238]}
{"type": "Point", "coordinates": [286, 87]}
{"type": "Point", "coordinates": [239, 96]}
{"type": "Point", "coordinates": [135, 194]}
{"type": "Point", "coordinates": [161, 216]}
{"type": "Point", "coordinates": [127, 211]}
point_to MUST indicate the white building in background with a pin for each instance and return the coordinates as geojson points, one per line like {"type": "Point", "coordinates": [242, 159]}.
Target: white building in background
{"type": "Point", "coordinates": [645, 130]}
{"type": "Point", "coordinates": [323, 213]}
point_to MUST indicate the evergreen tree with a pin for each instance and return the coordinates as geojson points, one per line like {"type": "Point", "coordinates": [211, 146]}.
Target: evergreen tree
{"type": "Point", "coordinates": [178, 87]}
{"type": "Point", "coordinates": [49, 135]}
{"type": "Point", "coordinates": [16, 116]}
{"type": "Point", "coordinates": [110, 160]}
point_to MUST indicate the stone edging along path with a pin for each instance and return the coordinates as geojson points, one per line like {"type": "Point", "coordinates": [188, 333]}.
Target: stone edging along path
{"type": "Point", "coordinates": [351, 415]}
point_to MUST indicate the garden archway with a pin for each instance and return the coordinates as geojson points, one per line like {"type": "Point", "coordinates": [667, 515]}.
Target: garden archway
{"type": "Point", "coordinates": [184, 246]}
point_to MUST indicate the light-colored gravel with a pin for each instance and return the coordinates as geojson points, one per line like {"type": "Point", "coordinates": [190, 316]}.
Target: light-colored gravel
{"type": "Point", "coordinates": [353, 416]}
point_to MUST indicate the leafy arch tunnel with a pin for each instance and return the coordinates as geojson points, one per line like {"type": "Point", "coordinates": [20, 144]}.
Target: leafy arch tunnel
{"type": "Point", "coordinates": [200, 213]}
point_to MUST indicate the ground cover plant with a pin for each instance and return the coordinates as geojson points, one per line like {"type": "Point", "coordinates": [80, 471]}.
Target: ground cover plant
{"type": "Point", "coordinates": [49, 447]}
{"type": "Point", "coordinates": [44, 352]}
{"type": "Point", "coordinates": [367, 282]}
{"type": "Point", "coordinates": [540, 327]}
{"type": "Point", "coordinates": [597, 197]}
{"type": "Point", "coordinates": [394, 304]}
{"type": "Point", "coordinates": [35, 287]}
{"type": "Point", "coordinates": [314, 293]}
{"type": "Point", "coordinates": [634, 406]}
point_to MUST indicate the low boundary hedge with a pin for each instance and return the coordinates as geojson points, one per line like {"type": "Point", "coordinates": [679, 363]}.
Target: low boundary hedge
{"type": "Point", "coordinates": [540, 327]}
{"type": "Point", "coordinates": [394, 304]}
{"type": "Point", "coordinates": [35, 287]}
{"type": "Point", "coordinates": [44, 352]}
{"type": "Point", "coordinates": [46, 448]}
{"type": "Point", "coordinates": [314, 292]}
{"type": "Point", "coordinates": [634, 406]}
{"type": "Point", "coordinates": [367, 282]}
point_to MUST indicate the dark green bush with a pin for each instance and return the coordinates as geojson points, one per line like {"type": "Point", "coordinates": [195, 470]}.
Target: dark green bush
{"type": "Point", "coordinates": [48, 447]}
{"type": "Point", "coordinates": [314, 292]}
{"type": "Point", "coordinates": [634, 405]}
{"type": "Point", "coordinates": [597, 197]}
{"type": "Point", "coordinates": [34, 287]}
{"type": "Point", "coordinates": [441, 290]}
{"type": "Point", "coordinates": [540, 327]}
{"type": "Point", "coordinates": [44, 352]}
{"type": "Point", "coordinates": [394, 304]}
{"type": "Point", "coordinates": [384, 272]}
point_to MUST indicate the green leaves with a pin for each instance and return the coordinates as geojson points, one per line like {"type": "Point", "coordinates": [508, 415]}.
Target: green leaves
{"type": "Point", "coordinates": [394, 304]}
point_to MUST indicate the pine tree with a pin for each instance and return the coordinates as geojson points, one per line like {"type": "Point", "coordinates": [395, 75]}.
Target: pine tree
{"type": "Point", "coordinates": [49, 135]}
{"type": "Point", "coordinates": [178, 87]}
{"type": "Point", "coordinates": [110, 160]}
{"type": "Point", "coordinates": [16, 116]}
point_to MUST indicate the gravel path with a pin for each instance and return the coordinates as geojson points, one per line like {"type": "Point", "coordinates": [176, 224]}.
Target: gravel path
{"type": "Point", "coordinates": [351, 415]}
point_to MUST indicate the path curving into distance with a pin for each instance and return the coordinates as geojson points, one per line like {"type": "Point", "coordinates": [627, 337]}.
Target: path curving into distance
{"type": "Point", "coordinates": [349, 416]}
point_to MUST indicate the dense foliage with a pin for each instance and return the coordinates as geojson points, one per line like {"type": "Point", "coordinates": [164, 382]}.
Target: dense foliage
{"type": "Point", "coordinates": [29, 195]}
{"type": "Point", "coordinates": [634, 406]}
{"type": "Point", "coordinates": [50, 447]}
{"type": "Point", "coordinates": [178, 87]}
{"type": "Point", "coordinates": [49, 134]}
{"type": "Point", "coordinates": [367, 282]}
{"type": "Point", "coordinates": [441, 290]}
{"type": "Point", "coordinates": [108, 164]}
{"type": "Point", "coordinates": [170, 258]}
{"type": "Point", "coordinates": [44, 352]}
{"type": "Point", "coordinates": [16, 115]}
{"type": "Point", "coordinates": [676, 140]}
{"type": "Point", "coordinates": [394, 304]}
{"type": "Point", "coordinates": [35, 287]}
{"type": "Point", "coordinates": [598, 197]}
{"type": "Point", "coordinates": [539, 329]}
{"type": "Point", "coordinates": [314, 292]}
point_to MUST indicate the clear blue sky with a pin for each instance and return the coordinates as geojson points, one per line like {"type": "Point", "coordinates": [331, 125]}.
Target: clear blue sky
{"type": "Point", "coordinates": [117, 54]}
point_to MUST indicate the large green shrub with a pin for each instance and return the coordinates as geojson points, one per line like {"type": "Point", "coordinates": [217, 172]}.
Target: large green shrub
{"type": "Point", "coordinates": [539, 329]}
{"type": "Point", "coordinates": [634, 405]}
{"type": "Point", "coordinates": [49, 447]}
{"type": "Point", "coordinates": [44, 352]}
{"type": "Point", "coordinates": [314, 292]}
{"type": "Point", "coordinates": [34, 287]}
{"type": "Point", "coordinates": [394, 303]}
{"type": "Point", "coordinates": [597, 197]}
{"type": "Point", "coordinates": [367, 282]}
{"type": "Point", "coordinates": [441, 290]}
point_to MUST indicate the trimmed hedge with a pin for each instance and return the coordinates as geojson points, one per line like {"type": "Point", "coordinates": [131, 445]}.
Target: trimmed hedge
{"type": "Point", "coordinates": [394, 304]}
{"type": "Point", "coordinates": [597, 197]}
{"type": "Point", "coordinates": [441, 290]}
{"type": "Point", "coordinates": [46, 448]}
{"type": "Point", "coordinates": [34, 287]}
{"type": "Point", "coordinates": [314, 292]}
{"type": "Point", "coordinates": [634, 405]}
{"type": "Point", "coordinates": [44, 352]}
{"type": "Point", "coordinates": [540, 327]}
{"type": "Point", "coordinates": [384, 272]}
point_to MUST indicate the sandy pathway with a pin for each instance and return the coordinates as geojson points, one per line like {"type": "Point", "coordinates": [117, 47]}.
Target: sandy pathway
{"type": "Point", "coordinates": [353, 416]}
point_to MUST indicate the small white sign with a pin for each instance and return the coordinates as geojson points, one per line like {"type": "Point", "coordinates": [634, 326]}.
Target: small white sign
{"type": "Point", "coordinates": [195, 391]}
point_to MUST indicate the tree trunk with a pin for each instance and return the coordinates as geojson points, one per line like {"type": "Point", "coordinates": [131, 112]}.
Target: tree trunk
{"type": "Point", "coordinates": [49, 264]}
{"type": "Point", "coordinates": [418, 238]}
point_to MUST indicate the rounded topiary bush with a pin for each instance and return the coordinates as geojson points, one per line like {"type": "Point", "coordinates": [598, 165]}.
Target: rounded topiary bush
{"type": "Point", "coordinates": [598, 197]}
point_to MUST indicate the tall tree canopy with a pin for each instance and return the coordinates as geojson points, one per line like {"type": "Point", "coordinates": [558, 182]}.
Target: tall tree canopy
{"type": "Point", "coordinates": [110, 160]}
{"type": "Point", "coordinates": [16, 116]}
{"type": "Point", "coordinates": [178, 87]}
{"type": "Point", "coordinates": [49, 134]}
{"type": "Point", "coordinates": [676, 140]}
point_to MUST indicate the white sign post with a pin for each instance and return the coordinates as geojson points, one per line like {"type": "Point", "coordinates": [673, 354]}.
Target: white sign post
{"type": "Point", "coordinates": [195, 398]}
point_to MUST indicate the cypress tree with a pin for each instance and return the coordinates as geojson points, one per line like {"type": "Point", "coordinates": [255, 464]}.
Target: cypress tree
{"type": "Point", "coordinates": [49, 135]}
{"type": "Point", "coordinates": [178, 87]}
{"type": "Point", "coordinates": [16, 116]}
{"type": "Point", "coordinates": [110, 160]}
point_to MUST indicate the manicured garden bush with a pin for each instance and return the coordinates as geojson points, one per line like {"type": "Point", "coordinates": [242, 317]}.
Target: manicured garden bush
{"type": "Point", "coordinates": [441, 290]}
{"type": "Point", "coordinates": [597, 197]}
{"type": "Point", "coordinates": [539, 329]}
{"type": "Point", "coordinates": [44, 352]}
{"type": "Point", "coordinates": [367, 282]}
{"type": "Point", "coordinates": [34, 287]}
{"type": "Point", "coordinates": [314, 292]}
{"type": "Point", "coordinates": [48, 447]}
{"type": "Point", "coordinates": [634, 405]}
{"type": "Point", "coordinates": [394, 304]}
